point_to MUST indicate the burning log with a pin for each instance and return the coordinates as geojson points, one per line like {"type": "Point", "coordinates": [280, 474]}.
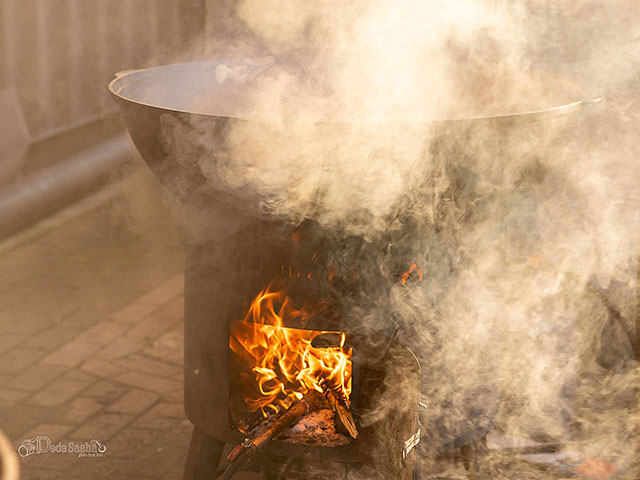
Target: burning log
{"type": "Point", "coordinates": [309, 402]}
{"type": "Point", "coordinates": [344, 419]}
{"type": "Point", "coordinates": [312, 400]}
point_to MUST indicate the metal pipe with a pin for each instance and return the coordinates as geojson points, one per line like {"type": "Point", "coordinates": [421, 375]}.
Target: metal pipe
{"type": "Point", "coordinates": [42, 193]}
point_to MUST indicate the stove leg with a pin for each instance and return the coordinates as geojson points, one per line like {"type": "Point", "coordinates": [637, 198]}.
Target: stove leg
{"type": "Point", "coordinates": [203, 457]}
{"type": "Point", "coordinates": [474, 459]}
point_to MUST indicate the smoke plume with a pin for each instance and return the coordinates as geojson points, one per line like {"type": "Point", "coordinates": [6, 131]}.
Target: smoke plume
{"type": "Point", "coordinates": [527, 232]}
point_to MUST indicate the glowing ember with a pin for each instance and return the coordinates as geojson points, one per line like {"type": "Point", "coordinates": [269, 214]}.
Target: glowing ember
{"type": "Point", "coordinates": [284, 363]}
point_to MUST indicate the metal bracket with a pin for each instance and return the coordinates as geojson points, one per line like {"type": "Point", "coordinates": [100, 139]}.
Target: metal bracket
{"type": "Point", "coordinates": [414, 439]}
{"type": "Point", "coordinates": [409, 445]}
{"type": "Point", "coordinates": [423, 416]}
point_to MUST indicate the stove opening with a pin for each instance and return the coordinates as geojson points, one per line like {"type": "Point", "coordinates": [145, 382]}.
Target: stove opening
{"type": "Point", "coordinates": [287, 381]}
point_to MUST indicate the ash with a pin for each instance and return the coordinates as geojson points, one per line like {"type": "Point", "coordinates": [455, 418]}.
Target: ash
{"type": "Point", "coordinates": [315, 428]}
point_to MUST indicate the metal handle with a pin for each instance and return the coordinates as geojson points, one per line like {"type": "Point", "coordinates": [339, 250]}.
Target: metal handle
{"type": "Point", "coordinates": [122, 73]}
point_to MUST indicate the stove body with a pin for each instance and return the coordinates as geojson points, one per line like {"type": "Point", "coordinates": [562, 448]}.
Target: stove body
{"type": "Point", "coordinates": [386, 374]}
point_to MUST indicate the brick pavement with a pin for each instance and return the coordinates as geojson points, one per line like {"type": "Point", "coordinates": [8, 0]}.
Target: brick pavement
{"type": "Point", "coordinates": [91, 340]}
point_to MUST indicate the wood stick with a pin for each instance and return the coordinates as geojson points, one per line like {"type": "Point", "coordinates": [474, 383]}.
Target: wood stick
{"type": "Point", "coordinates": [344, 418]}
{"type": "Point", "coordinates": [312, 400]}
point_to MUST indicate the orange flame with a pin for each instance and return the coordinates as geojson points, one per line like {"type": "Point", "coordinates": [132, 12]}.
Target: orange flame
{"type": "Point", "coordinates": [407, 274]}
{"type": "Point", "coordinates": [285, 364]}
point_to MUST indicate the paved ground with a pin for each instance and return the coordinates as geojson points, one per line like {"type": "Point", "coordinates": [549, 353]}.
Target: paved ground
{"type": "Point", "coordinates": [91, 338]}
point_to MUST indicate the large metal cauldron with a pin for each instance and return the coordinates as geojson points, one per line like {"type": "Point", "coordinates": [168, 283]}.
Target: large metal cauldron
{"type": "Point", "coordinates": [226, 265]}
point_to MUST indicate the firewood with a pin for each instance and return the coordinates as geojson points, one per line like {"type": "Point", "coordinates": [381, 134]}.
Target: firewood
{"type": "Point", "coordinates": [311, 401]}
{"type": "Point", "coordinates": [344, 419]}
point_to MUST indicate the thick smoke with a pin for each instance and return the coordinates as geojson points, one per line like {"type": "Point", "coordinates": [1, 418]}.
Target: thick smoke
{"type": "Point", "coordinates": [528, 240]}
{"type": "Point", "coordinates": [367, 64]}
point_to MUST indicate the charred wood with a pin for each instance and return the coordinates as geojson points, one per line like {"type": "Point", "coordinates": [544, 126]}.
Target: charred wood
{"type": "Point", "coordinates": [311, 401]}
{"type": "Point", "coordinates": [344, 419]}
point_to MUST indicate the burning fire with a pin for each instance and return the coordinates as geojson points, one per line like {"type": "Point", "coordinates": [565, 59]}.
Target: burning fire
{"type": "Point", "coordinates": [284, 362]}
{"type": "Point", "coordinates": [407, 274]}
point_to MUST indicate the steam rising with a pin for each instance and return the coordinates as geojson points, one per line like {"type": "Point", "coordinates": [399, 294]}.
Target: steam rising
{"type": "Point", "coordinates": [521, 230]}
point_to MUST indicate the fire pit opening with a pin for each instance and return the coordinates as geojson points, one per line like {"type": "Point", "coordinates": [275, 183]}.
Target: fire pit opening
{"type": "Point", "coordinates": [273, 367]}
{"type": "Point", "coordinates": [307, 396]}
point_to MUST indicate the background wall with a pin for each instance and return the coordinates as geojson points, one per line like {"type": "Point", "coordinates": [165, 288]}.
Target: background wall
{"type": "Point", "coordinates": [61, 135]}
{"type": "Point", "coordinates": [59, 55]}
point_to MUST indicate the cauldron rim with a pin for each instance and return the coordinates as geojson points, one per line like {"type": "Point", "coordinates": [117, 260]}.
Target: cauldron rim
{"type": "Point", "coordinates": [128, 78]}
